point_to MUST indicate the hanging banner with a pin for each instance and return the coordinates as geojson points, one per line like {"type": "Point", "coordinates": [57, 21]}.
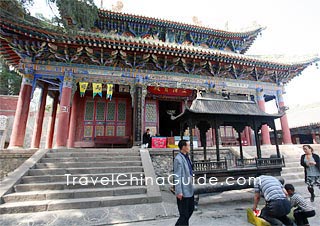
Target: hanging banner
{"type": "Point", "coordinates": [83, 87]}
{"type": "Point", "coordinates": [109, 91]}
{"type": "Point", "coordinates": [97, 89]}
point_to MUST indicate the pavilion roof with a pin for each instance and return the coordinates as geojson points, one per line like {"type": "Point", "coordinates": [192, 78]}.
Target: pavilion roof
{"type": "Point", "coordinates": [236, 113]}
{"type": "Point", "coordinates": [227, 107]}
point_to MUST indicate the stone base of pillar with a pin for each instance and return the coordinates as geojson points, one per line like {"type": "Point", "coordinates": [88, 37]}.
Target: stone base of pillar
{"type": "Point", "coordinates": [137, 143]}
{"type": "Point", "coordinates": [60, 147]}
{"type": "Point", "coordinates": [15, 148]}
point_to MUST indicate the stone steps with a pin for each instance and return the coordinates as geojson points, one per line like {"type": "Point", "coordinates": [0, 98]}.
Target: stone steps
{"type": "Point", "coordinates": [96, 178]}
{"type": "Point", "coordinates": [77, 185]}
{"type": "Point", "coordinates": [295, 182]}
{"type": "Point", "coordinates": [286, 170]}
{"type": "Point", "coordinates": [86, 164]}
{"type": "Point", "coordinates": [60, 178]}
{"type": "Point", "coordinates": [87, 154]}
{"type": "Point", "coordinates": [90, 159]}
{"type": "Point", "coordinates": [81, 203]}
{"type": "Point", "coordinates": [91, 170]}
{"type": "Point", "coordinates": [108, 150]}
{"type": "Point", "coordinates": [73, 193]}
{"type": "Point", "coordinates": [294, 175]}
{"type": "Point", "coordinates": [293, 164]}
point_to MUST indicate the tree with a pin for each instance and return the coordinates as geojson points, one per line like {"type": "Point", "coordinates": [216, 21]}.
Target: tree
{"type": "Point", "coordinates": [83, 13]}
{"type": "Point", "coordinates": [10, 81]}
{"type": "Point", "coordinates": [74, 14]}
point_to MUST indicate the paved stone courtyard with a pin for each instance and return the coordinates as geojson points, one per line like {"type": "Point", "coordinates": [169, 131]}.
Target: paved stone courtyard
{"type": "Point", "coordinates": [223, 209]}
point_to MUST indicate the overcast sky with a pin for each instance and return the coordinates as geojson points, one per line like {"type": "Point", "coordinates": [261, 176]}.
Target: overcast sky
{"type": "Point", "coordinates": [292, 28]}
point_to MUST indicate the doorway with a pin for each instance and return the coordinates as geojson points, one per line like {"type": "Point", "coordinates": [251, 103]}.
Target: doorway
{"type": "Point", "coordinates": [168, 127]}
{"type": "Point", "coordinates": [306, 139]}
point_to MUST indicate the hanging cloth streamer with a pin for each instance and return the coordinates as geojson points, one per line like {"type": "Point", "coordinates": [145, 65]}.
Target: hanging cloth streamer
{"type": "Point", "coordinates": [83, 87]}
{"type": "Point", "coordinates": [97, 89]}
{"type": "Point", "coordinates": [109, 91]}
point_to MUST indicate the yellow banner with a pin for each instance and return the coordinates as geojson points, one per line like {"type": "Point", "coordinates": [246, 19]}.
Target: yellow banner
{"type": "Point", "coordinates": [109, 91]}
{"type": "Point", "coordinates": [83, 87]}
{"type": "Point", "coordinates": [97, 89]}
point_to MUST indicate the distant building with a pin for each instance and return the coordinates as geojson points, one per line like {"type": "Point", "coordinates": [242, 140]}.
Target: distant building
{"type": "Point", "coordinates": [304, 123]}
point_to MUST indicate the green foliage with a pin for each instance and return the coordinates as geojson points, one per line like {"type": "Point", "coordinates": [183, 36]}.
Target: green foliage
{"type": "Point", "coordinates": [10, 81]}
{"type": "Point", "coordinates": [74, 14]}
{"type": "Point", "coordinates": [77, 14]}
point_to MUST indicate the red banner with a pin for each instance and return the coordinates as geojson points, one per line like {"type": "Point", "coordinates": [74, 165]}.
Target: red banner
{"type": "Point", "coordinates": [170, 91]}
{"type": "Point", "coordinates": [159, 142]}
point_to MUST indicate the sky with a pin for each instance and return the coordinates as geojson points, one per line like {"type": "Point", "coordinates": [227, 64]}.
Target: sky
{"type": "Point", "coordinates": [292, 28]}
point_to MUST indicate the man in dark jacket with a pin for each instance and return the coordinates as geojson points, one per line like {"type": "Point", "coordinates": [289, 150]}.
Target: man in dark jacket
{"type": "Point", "coordinates": [146, 139]}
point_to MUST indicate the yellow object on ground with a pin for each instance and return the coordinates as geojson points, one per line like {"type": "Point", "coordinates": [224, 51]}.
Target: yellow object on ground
{"type": "Point", "coordinates": [172, 146]}
{"type": "Point", "coordinates": [255, 220]}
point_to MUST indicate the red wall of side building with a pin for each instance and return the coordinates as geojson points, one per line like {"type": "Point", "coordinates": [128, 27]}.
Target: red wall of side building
{"type": "Point", "coordinates": [8, 105]}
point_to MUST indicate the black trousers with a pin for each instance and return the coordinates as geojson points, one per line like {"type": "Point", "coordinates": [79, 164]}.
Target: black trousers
{"type": "Point", "coordinates": [185, 207]}
{"type": "Point", "coordinates": [275, 212]}
{"type": "Point", "coordinates": [302, 217]}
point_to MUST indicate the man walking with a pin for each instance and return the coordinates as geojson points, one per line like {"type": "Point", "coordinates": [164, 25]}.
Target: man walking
{"type": "Point", "coordinates": [277, 205]}
{"type": "Point", "coordinates": [184, 183]}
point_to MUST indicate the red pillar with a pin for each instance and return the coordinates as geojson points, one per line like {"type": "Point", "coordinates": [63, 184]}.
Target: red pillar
{"type": "Point", "coordinates": [52, 122]}
{"type": "Point", "coordinates": [22, 111]}
{"type": "Point", "coordinates": [63, 115]}
{"type": "Point", "coordinates": [213, 136]}
{"type": "Point", "coordinates": [314, 137]}
{"type": "Point", "coordinates": [286, 135]}
{"type": "Point", "coordinates": [247, 135]}
{"type": "Point", "coordinates": [264, 129]}
{"type": "Point", "coordinates": [36, 137]}
{"type": "Point", "coordinates": [73, 121]}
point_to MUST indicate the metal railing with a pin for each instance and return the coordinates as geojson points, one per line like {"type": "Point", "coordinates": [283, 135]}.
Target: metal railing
{"type": "Point", "coordinates": [262, 162]}
{"type": "Point", "coordinates": [208, 166]}
{"type": "Point", "coordinates": [270, 162]}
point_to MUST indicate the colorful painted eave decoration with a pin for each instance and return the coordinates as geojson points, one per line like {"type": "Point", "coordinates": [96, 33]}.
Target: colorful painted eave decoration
{"type": "Point", "coordinates": [20, 39]}
{"type": "Point", "coordinates": [177, 25]}
{"type": "Point", "coordinates": [165, 31]}
{"type": "Point", "coordinates": [118, 42]}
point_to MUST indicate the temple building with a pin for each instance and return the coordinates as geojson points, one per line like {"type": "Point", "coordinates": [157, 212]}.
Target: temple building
{"type": "Point", "coordinates": [133, 72]}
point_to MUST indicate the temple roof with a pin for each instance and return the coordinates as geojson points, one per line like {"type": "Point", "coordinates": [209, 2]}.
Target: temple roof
{"type": "Point", "coordinates": [237, 41]}
{"type": "Point", "coordinates": [36, 39]}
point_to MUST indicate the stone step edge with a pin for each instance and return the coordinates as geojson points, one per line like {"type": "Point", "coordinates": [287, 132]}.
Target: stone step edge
{"type": "Point", "coordinates": [129, 153]}
{"type": "Point", "coordinates": [72, 190]}
{"type": "Point", "coordinates": [104, 158]}
{"type": "Point", "coordinates": [80, 203]}
{"type": "Point", "coordinates": [111, 167]}
{"type": "Point", "coordinates": [73, 193]}
{"type": "Point", "coordinates": [71, 184]}
{"type": "Point", "coordinates": [81, 175]}
{"type": "Point", "coordinates": [88, 162]}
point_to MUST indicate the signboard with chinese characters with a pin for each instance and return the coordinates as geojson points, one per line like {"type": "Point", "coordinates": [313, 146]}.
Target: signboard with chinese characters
{"type": "Point", "coordinates": [170, 91]}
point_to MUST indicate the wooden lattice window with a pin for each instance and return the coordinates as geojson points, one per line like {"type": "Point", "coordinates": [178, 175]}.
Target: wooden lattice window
{"type": "Point", "coordinates": [100, 111]}
{"type": "Point", "coordinates": [151, 112]}
{"type": "Point", "coordinates": [89, 111]}
{"type": "Point", "coordinates": [121, 111]}
{"type": "Point", "coordinates": [111, 111]}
